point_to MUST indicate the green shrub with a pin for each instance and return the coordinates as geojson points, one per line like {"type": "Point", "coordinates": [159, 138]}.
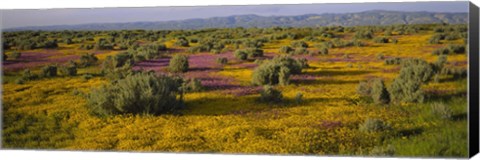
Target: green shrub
{"type": "Point", "coordinates": [364, 88]}
{"type": "Point", "coordinates": [49, 71]}
{"type": "Point", "coordinates": [379, 92]}
{"type": "Point", "coordinates": [28, 75]}
{"type": "Point", "coordinates": [285, 49]}
{"type": "Point", "coordinates": [69, 70]}
{"type": "Point", "coordinates": [323, 50]}
{"type": "Point", "coordinates": [222, 60]}
{"type": "Point", "coordinates": [406, 87]}
{"type": "Point", "coordinates": [182, 41]}
{"type": "Point", "coordinates": [393, 61]}
{"type": "Point", "coordinates": [299, 51]}
{"type": "Point", "coordinates": [441, 51]}
{"type": "Point", "coordinates": [143, 93]}
{"type": "Point", "coordinates": [241, 54]}
{"type": "Point", "coordinates": [118, 66]}
{"type": "Point", "coordinates": [458, 49]}
{"type": "Point", "coordinates": [380, 40]}
{"type": "Point", "coordinates": [373, 125]}
{"type": "Point", "coordinates": [299, 44]}
{"type": "Point", "coordinates": [254, 52]}
{"type": "Point", "coordinates": [270, 95]}
{"type": "Point", "coordinates": [441, 110]}
{"type": "Point", "coordinates": [87, 60]}
{"type": "Point", "coordinates": [178, 63]}
{"type": "Point", "coordinates": [16, 55]}
{"type": "Point", "coordinates": [364, 34]}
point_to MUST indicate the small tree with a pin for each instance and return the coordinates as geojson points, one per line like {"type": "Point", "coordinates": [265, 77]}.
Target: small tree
{"type": "Point", "coordinates": [178, 63]}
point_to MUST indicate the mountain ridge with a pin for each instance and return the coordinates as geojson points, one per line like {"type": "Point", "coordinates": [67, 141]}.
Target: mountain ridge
{"type": "Point", "coordinates": [371, 17]}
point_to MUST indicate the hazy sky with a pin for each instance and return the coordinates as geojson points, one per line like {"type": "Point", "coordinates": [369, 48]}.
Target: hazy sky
{"type": "Point", "coordinates": [21, 18]}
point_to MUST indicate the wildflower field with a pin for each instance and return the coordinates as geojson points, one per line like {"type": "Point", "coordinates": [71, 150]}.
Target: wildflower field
{"type": "Point", "coordinates": [328, 107]}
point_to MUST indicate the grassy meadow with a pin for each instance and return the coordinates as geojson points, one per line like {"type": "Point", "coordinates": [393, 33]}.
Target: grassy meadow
{"type": "Point", "coordinates": [321, 111]}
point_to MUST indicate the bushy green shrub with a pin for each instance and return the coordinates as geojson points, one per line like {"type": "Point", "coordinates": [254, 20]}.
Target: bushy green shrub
{"type": "Point", "coordinates": [406, 87]}
{"type": "Point", "coordinates": [270, 95]}
{"type": "Point", "coordinates": [380, 40]}
{"type": "Point", "coordinates": [379, 92]}
{"type": "Point", "coordinates": [150, 51]}
{"type": "Point", "coordinates": [28, 75]}
{"type": "Point", "coordinates": [364, 88]}
{"type": "Point", "coordinates": [299, 51]}
{"type": "Point", "coordinates": [373, 125]}
{"type": "Point", "coordinates": [16, 55]}
{"type": "Point", "coordinates": [87, 60]}
{"type": "Point", "coordinates": [458, 49]}
{"type": "Point", "coordinates": [441, 51]}
{"type": "Point", "coordinates": [143, 93]}
{"type": "Point", "coordinates": [222, 60]}
{"type": "Point", "coordinates": [103, 44]}
{"type": "Point", "coordinates": [323, 51]}
{"type": "Point", "coordinates": [241, 54]}
{"type": "Point", "coordinates": [118, 66]}
{"type": "Point", "coordinates": [254, 52]}
{"type": "Point", "coordinates": [393, 61]}
{"type": "Point", "coordinates": [49, 71]}
{"type": "Point", "coordinates": [364, 34]}
{"type": "Point", "coordinates": [441, 110]}
{"type": "Point", "coordinates": [69, 70]}
{"type": "Point", "coordinates": [277, 70]}
{"type": "Point", "coordinates": [299, 44]}
{"type": "Point", "coordinates": [178, 63]}
{"type": "Point", "coordinates": [182, 41]}
{"type": "Point", "coordinates": [285, 49]}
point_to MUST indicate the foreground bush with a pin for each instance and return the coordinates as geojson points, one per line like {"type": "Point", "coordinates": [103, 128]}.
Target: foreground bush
{"type": "Point", "coordinates": [143, 93]}
{"type": "Point", "coordinates": [178, 64]}
{"type": "Point", "coordinates": [407, 86]}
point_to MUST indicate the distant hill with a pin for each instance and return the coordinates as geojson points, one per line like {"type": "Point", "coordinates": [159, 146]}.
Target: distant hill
{"type": "Point", "coordinates": [374, 17]}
